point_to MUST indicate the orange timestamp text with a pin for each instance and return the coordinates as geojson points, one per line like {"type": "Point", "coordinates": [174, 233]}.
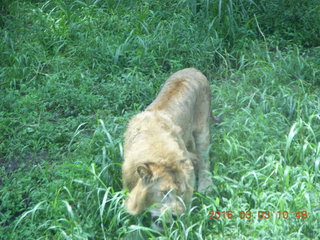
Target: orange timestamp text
{"type": "Point", "coordinates": [257, 214]}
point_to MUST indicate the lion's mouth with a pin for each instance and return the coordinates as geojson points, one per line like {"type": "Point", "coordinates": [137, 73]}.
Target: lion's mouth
{"type": "Point", "coordinates": [158, 224]}
{"type": "Point", "coordinates": [156, 218]}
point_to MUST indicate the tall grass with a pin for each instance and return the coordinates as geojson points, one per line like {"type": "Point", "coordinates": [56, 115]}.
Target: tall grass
{"type": "Point", "coordinates": [73, 73]}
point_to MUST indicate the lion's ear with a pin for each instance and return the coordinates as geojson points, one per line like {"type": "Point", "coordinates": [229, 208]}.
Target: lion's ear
{"type": "Point", "coordinates": [144, 171]}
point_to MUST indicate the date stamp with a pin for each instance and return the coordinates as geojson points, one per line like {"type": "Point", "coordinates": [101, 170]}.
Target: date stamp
{"type": "Point", "coordinates": [257, 214]}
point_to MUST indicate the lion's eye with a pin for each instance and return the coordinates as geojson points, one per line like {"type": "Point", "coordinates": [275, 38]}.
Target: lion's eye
{"type": "Point", "coordinates": [164, 192]}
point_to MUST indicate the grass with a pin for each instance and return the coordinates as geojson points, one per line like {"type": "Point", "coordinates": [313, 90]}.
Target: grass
{"type": "Point", "coordinates": [73, 73]}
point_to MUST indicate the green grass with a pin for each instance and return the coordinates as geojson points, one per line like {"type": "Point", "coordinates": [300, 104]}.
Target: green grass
{"type": "Point", "coordinates": [73, 73]}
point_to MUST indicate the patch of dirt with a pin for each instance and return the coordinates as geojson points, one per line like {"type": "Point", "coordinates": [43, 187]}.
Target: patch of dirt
{"type": "Point", "coordinates": [26, 160]}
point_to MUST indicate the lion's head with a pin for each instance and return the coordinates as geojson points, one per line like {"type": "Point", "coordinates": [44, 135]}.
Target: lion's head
{"type": "Point", "coordinates": [162, 188]}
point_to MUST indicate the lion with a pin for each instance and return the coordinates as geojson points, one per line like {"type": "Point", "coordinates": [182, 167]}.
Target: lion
{"type": "Point", "coordinates": [165, 147]}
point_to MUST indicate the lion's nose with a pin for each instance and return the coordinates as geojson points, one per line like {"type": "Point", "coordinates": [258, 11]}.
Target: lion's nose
{"type": "Point", "coordinates": [174, 217]}
{"type": "Point", "coordinates": [178, 209]}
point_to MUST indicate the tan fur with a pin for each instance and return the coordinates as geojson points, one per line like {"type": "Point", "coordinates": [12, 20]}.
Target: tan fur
{"type": "Point", "coordinates": [165, 146]}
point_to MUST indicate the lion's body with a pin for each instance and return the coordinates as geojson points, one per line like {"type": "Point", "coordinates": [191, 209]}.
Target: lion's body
{"type": "Point", "coordinates": [170, 140]}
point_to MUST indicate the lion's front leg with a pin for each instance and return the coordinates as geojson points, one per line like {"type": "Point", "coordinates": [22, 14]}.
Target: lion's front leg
{"type": "Point", "coordinates": [203, 167]}
{"type": "Point", "coordinates": [205, 180]}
